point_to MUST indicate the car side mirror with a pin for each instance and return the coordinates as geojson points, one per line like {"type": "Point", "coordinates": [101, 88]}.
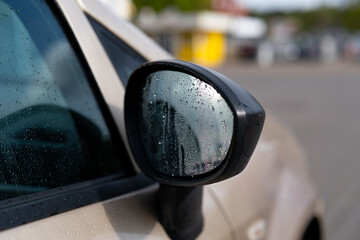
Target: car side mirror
{"type": "Point", "coordinates": [188, 125]}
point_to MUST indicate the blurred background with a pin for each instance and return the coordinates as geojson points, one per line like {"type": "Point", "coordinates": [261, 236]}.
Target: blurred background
{"type": "Point", "coordinates": [212, 32]}
{"type": "Point", "coordinates": [300, 59]}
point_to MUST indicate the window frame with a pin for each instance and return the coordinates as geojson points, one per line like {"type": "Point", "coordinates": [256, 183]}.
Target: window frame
{"type": "Point", "coordinates": [101, 32]}
{"type": "Point", "coordinates": [28, 208]}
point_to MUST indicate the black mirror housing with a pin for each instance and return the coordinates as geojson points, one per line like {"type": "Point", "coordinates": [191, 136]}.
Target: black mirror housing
{"type": "Point", "coordinates": [152, 119]}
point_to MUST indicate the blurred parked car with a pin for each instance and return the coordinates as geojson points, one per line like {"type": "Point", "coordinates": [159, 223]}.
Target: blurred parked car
{"type": "Point", "coordinates": [66, 169]}
{"type": "Point", "coordinates": [352, 48]}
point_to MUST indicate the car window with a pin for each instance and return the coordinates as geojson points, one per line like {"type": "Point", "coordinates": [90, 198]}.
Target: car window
{"type": "Point", "coordinates": [124, 59]}
{"type": "Point", "coordinates": [52, 130]}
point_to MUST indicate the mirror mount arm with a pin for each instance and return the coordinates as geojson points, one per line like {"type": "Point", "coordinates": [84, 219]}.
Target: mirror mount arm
{"type": "Point", "coordinates": [179, 211]}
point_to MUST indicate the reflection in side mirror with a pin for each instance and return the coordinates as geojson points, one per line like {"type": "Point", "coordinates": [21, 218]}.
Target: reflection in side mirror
{"type": "Point", "coordinates": [187, 126]}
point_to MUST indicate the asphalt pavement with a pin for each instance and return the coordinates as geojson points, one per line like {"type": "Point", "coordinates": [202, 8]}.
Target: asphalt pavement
{"type": "Point", "coordinates": [321, 105]}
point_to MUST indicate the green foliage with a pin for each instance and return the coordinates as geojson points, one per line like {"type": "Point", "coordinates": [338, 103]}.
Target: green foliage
{"type": "Point", "coordinates": [326, 17]}
{"type": "Point", "coordinates": [322, 18]}
{"type": "Point", "coordinates": [183, 5]}
{"type": "Point", "coordinates": [351, 17]}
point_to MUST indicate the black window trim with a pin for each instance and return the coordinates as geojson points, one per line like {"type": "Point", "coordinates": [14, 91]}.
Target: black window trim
{"type": "Point", "coordinates": [28, 208]}
{"type": "Point", "coordinates": [25, 209]}
{"type": "Point", "coordinates": [91, 18]}
{"type": "Point", "coordinates": [101, 29]}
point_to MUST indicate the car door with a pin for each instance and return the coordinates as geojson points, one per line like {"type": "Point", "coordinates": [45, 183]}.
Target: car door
{"type": "Point", "coordinates": [65, 172]}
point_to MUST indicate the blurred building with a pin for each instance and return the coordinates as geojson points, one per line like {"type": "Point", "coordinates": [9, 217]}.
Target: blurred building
{"type": "Point", "coordinates": [201, 37]}
{"type": "Point", "coordinates": [122, 8]}
{"type": "Point", "coordinates": [229, 6]}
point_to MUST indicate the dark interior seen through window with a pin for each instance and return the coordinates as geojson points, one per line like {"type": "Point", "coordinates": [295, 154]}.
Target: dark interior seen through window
{"type": "Point", "coordinates": [52, 132]}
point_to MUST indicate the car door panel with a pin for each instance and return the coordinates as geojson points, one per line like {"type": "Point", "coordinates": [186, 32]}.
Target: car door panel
{"type": "Point", "coordinates": [129, 216]}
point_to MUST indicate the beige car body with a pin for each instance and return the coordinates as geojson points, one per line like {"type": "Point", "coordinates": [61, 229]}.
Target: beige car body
{"type": "Point", "coordinates": [272, 199]}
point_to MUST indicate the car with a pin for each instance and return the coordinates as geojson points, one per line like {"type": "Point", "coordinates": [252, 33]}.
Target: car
{"type": "Point", "coordinates": [84, 153]}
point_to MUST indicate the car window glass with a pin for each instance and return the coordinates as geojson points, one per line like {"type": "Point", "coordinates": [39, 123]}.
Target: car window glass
{"type": "Point", "coordinates": [52, 131]}
{"type": "Point", "coordinates": [124, 59]}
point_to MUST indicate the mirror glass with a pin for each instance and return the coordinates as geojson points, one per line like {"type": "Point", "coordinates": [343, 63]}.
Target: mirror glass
{"type": "Point", "coordinates": [187, 126]}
